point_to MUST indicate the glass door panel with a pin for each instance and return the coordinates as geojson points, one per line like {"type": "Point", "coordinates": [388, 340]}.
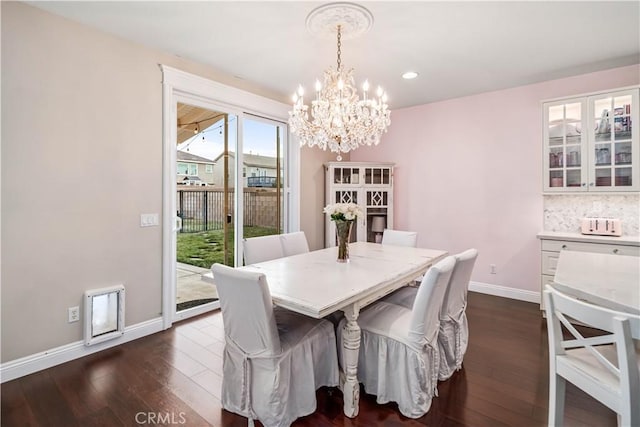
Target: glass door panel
{"type": "Point", "coordinates": [622, 118]}
{"type": "Point", "coordinates": [574, 178]}
{"type": "Point", "coordinates": [564, 147]}
{"type": "Point", "coordinates": [602, 119]}
{"type": "Point", "coordinates": [603, 177]}
{"type": "Point", "coordinates": [264, 176]}
{"type": "Point", "coordinates": [623, 177]}
{"type": "Point", "coordinates": [201, 203]}
{"type": "Point", "coordinates": [623, 153]}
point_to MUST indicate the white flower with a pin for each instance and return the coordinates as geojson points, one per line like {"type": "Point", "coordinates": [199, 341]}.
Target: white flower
{"type": "Point", "coordinates": [343, 211]}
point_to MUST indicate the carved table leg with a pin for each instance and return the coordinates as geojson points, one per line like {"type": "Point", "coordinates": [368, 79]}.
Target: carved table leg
{"type": "Point", "coordinates": [351, 347]}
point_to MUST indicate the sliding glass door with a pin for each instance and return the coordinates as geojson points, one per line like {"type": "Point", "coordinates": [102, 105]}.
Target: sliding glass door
{"type": "Point", "coordinates": [208, 130]}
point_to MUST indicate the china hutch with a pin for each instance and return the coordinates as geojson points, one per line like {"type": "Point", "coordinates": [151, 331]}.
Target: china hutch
{"type": "Point", "coordinates": [370, 186]}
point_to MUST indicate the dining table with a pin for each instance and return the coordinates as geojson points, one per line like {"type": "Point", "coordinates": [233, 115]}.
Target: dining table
{"type": "Point", "coordinates": [316, 285]}
{"type": "Point", "coordinates": [607, 280]}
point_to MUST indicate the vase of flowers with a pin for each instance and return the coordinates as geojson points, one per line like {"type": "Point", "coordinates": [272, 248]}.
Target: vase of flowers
{"type": "Point", "coordinates": [344, 215]}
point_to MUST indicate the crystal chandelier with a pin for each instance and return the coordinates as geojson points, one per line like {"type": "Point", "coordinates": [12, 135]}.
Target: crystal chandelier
{"type": "Point", "coordinates": [338, 119]}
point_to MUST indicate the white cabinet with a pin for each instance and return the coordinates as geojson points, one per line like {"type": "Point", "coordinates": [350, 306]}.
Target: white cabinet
{"type": "Point", "coordinates": [590, 143]}
{"type": "Point", "coordinates": [552, 243]}
{"type": "Point", "coordinates": [370, 186]}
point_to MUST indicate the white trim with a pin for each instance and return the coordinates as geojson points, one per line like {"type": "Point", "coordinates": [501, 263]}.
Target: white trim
{"type": "Point", "coordinates": [504, 291]}
{"type": "Point", "coordinates": [56, 356]}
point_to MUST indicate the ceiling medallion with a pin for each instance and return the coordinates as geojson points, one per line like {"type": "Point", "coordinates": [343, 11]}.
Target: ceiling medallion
{"type": "Point", "coordinates": [338, 119]}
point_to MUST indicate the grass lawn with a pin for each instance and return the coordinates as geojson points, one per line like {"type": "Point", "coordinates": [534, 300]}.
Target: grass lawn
{"type": "Point", "coordinates": [205, 248]}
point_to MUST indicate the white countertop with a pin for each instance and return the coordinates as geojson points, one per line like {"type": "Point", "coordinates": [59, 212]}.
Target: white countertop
{"type": "Point", "coordinates": [588, 238]}
{"type": "Point", "coordinates": [603, 279]}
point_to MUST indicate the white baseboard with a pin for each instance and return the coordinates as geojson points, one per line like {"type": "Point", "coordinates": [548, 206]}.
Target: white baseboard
{"type": "Point", "coordinates": [46, 359]}
{"type": "Point", "coordinates": [503, 291]}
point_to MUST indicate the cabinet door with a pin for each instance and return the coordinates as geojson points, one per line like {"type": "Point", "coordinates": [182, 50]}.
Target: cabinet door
{"type": "Point", "coordinates": [346, 176]}
{"type": "Point", "coordinates": [564, 145]}
{"type": "Point", "coordinates": [613, 142]}
{"type": "Point", "coordinates": [378, 176]}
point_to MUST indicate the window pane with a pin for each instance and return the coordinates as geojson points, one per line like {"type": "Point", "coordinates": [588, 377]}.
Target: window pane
{"type": "Point", "coordinates": [183, 169]}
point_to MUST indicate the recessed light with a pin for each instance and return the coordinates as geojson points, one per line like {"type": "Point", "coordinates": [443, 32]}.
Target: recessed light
{"type": "Point", "coordinates": [410, 75]}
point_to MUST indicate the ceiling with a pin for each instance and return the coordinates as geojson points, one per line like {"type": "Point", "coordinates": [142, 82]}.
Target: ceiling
{"type": "Point", "coordinates": [458, 48]}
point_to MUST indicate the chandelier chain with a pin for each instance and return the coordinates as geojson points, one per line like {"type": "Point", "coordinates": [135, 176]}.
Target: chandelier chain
{"type": "Point", "coordinates": [339, 46]}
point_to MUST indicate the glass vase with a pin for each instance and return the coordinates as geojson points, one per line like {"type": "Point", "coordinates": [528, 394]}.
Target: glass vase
{"type": "Point", "coordinates": [343, 232]}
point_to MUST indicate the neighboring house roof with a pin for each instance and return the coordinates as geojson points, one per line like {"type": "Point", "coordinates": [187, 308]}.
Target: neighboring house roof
{"type": "Point", "coordinates": [188, 157]}
{"type": "Point", "coordinates": [254, 160]}
{"type": "Point", "coordinates": [191, 178]}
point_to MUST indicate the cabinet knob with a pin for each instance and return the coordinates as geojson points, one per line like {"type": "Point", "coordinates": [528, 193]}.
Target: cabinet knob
{"type": "Point", "coordinates": [564, 246]}
{"type": "Point", "coordinates": [615, 251]}
{"type": "Point", "coordinates": [591, 184]}
{"type": "Point", "coordinates": [584, 184]}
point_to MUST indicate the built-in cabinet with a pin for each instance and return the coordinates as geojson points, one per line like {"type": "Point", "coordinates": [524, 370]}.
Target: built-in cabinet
{"type": "Point", "coordinates": [370, 186]}
{"type": "Point", "coordinates": [552, 243]}
{"type": "Point", "coordinates": [590, 143]}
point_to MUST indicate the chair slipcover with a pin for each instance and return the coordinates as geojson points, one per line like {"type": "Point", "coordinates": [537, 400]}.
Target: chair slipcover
{"type": "Point", "coordinates": [274, 360]}
{"type": "Point", "coordinates": [398, 359]}
{"type": "Point", "coordinates": [453, 337]}
{"type": "Point", "coordinates": [294, 243]}
{"type": "Point", "coordinates": [262, 248]}
{"type": "Point", "coordinates": [399, 238]}
{"type": "Point", "coordinates": [607, 367]}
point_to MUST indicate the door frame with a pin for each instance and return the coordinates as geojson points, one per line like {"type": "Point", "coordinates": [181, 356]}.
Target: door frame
{"type": "Point", "coordinates": [181, 86]}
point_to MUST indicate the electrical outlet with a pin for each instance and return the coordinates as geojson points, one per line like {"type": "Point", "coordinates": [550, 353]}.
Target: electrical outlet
{"type": "Point", "coordinates": [74, 314]}
{"type": "Point", "coordinates": [492, 269]}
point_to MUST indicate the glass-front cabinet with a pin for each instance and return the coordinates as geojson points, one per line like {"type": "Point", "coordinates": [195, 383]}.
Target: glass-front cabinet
{"type": "Point", "coordinates": [370, 186]}
{"type": "Point", "coordinates": [590, 143]}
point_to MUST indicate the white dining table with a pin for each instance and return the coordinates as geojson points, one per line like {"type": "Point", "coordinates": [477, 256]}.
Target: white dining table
{"type": "Point", "coordinates": [608, 280]}
{"type": "Point", "coordinates": [315, 284]}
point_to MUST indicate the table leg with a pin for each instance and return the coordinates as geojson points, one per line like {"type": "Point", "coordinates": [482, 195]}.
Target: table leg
{"type": "Point", "coordinates": [351, 348]}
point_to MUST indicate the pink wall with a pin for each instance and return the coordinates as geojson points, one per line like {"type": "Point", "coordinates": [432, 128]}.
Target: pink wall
{"type": "Point", "coordinates": [469, 172]}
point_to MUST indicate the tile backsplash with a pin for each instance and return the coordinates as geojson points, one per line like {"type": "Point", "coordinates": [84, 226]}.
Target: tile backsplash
{"type": "Point", "coordinates": [563, 212]}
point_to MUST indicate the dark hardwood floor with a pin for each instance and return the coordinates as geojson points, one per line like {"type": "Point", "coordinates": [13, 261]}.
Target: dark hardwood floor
{"type": "Point", "coordinates": [174, 378]}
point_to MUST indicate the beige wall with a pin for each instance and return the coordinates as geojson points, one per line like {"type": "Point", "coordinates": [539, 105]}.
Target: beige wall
{"type": "Point", "coordinates": [312, 194]}
{"type": "Point", "coordinates": [85, 108]}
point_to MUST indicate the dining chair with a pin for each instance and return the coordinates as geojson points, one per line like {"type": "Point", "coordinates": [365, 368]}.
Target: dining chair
{"type": "Point", "coordinates": [273, 360]}
{"type": "Point", "coordinates": [453, 336]}
{"type": "Point", "coordinates": [607, 366]}
{"type": "Point", "coordinates": [262, 248]}
{"type": "Point", "coordinates": [294, 243]}
{"type": "Point", "coordinates": [398, 358]}
{"type": "Point", "coordinates": [399, 238]}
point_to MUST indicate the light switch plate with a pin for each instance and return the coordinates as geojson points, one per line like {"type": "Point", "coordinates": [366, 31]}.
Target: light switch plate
{"type": "Point", "coordinates": [149, 220]}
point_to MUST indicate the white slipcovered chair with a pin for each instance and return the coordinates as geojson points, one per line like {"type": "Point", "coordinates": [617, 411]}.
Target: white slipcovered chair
{"type": "Point", "coordinates": [294, 243]}
{"type": "Point", "coordinates": [274, 360]}
{"type": "Point", "coordinates": [453, 337]}
{"type": "Point", "coordinates": [398, 359]}
{"type": "Point", "coordinates": [399, 238]}
{"type": "Point", "coordinates": [262, 248]}
{"type": "Point", "coordinates": [607, 367]}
